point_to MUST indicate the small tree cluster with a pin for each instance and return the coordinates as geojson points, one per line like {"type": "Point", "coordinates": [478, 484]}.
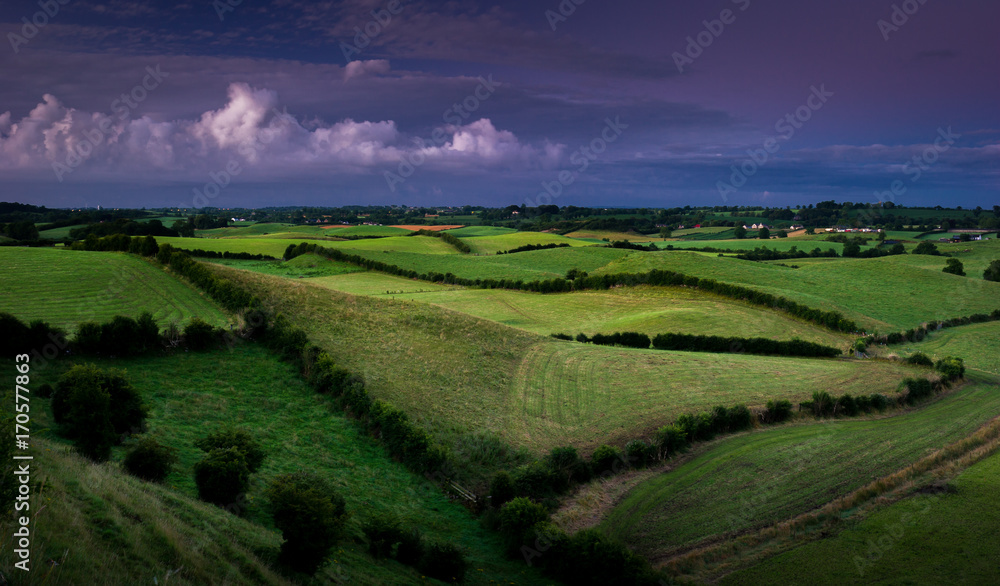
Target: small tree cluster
{"type": "Point", "coordinates": [223, 475]}
{"type": "Point", "coordinates": [150, 460]}
{"type": "Point", "coordinates": [310, 515]}
{"type": "Point", "coordinates": [97, 409]}
{"type": "Point", "coordinates": [387, 538]}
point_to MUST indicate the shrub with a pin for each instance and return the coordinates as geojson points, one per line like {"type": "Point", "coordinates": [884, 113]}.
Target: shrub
{"type": "Point", "coordinates": [222, 476]}
{"type": "Point", "coordinates": [605, 459]}
{"type": "Point", "coordinates": [538, 481]}
{"type": "Point", "coordinates": [562, 336]}
{"type": "Point", "coordinates": [444, 561]}
{"type": "Point", "coordinates": [921, 359]}
{"type": "Point", "coordinates": [97, 408]}
{"type": "Point", "coordinates": [671, 439]}
{"type": "Point", "coordinates": [591, 558]}
{"type": "Point", "coordinates": [150, 460]}
{"type": "Point", "coordinates": [992, 272]}
{"type": "Point", "coordinates": [917, 389]}
{"type": "Point", "coordinates": [777, 411]}
{"type": "Point", "coordinates": [823, 404]}
{"type": "Point", "coordinates": [878, 401]}
{"type": "Point", "coordinates": [698, 428]}
{"type": "Point", "coordinates": [516, 518]}
{"type": "Point", "coordinates": [640, 453]}
{"type": "Point", "coordinates": [568, 466]}
{"type": "Point", "coordinates": [310, 516]}
{"type": "Point", "coordinates": [954, 267]}
{"type": "Point", "coordinates": [199, 335]}
{"type": "Point", "coordinates": [501, 489]}
{"type": "Point", "coordinates": [582, 338]}
{"type": "Point", "coordinates": [740, 418]}
{"type": "Point", "coordinates": [241, 440]}
{"type": "Point", "coordinates": [847, 406]}
{"type": "Point", "coordinates": [951, 367]}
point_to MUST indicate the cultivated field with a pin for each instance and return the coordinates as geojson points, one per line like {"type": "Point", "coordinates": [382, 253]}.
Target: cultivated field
{"type": "Point", "coordinates": [67, 287]}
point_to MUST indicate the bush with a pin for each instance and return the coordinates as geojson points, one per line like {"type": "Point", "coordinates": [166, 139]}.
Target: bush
{"type": "Point", "coordinates": [310, 516]}
{"type": "Point", "coordinates": [777, 411]}
{"type": "Point", "coordinates": [917, 389]}
{"type": "Point", "coordinates": [516, 518]}
{"type": "Point", "coordinates": [150, 460]}
{"type": "Point", "coordinates": [568, 466]}
{"type": "Point", "coordinates": [954, 267]}
{"type": "Point", "coordinates": [847, 406]}
{"type": "Point", "coordinates": [199, 335]}
{"type": "Point", "coordinates": [640, 453]}
{"type": "Point", "coordinates": [920, 359]}
{"type": "Point", "coordinates": [823, 404]}
{"type": "Point", "coordinates": [951, 367]}
{"type": "Point", "coordinates": [992, 272]}
{"type": "Point", "coordinates": [241, 440]}
{"type": "Point", "coordinates": [878, 401]}
{"type": "Point", "coordinates": [444, 561]}
{"type": "Point", "coordinates": [926, 247]}
{"type": "Point", "coordinates": [606, 459]}
{"type": "Point", "coordinates": [671, 439]}
{"type": "Point", "coordinates": [222, 476]}
{"type": "Point", "coordinates": [97, 408]}
{"type": "Point", "coordinates": [538, 481]}
{"type": "Point", "coordinates": [591, 558]}
{"type": "Point", "coordinates": [501, 489]}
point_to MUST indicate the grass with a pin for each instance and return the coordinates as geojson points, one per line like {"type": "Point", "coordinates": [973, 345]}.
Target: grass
{"type": "Point", "coordinates": [58, 233]}
{"type": "Point", "coordinates": [66, 288]}
{"type": "Point", "coordinates": [275, 247]}
{"type": "Point", "coordinates": [977, 344]}
{"type": "Point", "coordinates": [501, 242]}
{"type": "Point", "coordinates": [756, 479]}
{"type": "Point", "coordinates": [610, 235]}
{"type": "Point", "coordinates": [369, 231]}
{"type": "Point", "coordinates": [427, 245]}
{"type": "Point", "coordinates": [191, 394]}
{"type": "Point", "coordinates": [300, 267]}
{"type": "Point", "coordinates": [925, 539]}
{"type": "Point", "coordinates": [886, 294]}
{"type": "Point", "coordinates": [650, 310]}
{"type": "Point", "coordinates": [579, 394]}
{"type": "Point", "coordinates": [782, 244]}
{"type": "Point", "coordinates": [476, 231]}
{"type": "Point", "coordinates": [253, 245]}
{"type": "Point", "coordinates": [261, 230]}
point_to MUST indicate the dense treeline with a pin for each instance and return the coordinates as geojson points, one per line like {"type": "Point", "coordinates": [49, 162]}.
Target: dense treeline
{"type": "Point", "coordinates": [140, 245]}
{"type": "Point", "coordinates": [765, 253]}
{"type": "Point", "coordinates": [530, 247]}
{"type": "Point", "coordinates": [626, 245]}
{"type": "Point", "coordinates": [298, 250]}
{"type": "Point", "coordinates": [123, 226]}
{"type": "Point", "coordinates": [449, 238]}
{"type": "Point", "coordinates": [660, 278]}
{"type": "Point", "coordinates": [702, 343]}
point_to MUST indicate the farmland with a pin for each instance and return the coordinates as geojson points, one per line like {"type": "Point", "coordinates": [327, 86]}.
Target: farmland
{"type": "Point", "coordinates": [93, 286]}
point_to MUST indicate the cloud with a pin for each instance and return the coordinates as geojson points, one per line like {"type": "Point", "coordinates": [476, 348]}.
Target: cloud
{"type": "Point", "coordinates": [250, 130]}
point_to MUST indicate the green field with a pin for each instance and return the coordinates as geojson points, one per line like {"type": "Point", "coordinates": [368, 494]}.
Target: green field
{"type": "Point", "coordinates": [368, 231]}
{"type": "Point", "coordinates": [977, 344]}
{"type": "Point", "coordinates": [782, 244]}
{"type": "Point", "coordinates": [421, 245]}
{"type": "Point", "coordinates": [650, 310]}
{"type": "Point", "coordinates": [300, 267]}
{"type": "Point", "coordinates": [882, 293]}
{"type": "Point", "coordinates": [59, 233]}
{"type": "Point", "coordinates": [261, 230]}
{"type": "Point", "coordinates": [66, 288]}
{"type": "Point", "coordinates": [476, 231]}
{"type": "Point", "coordinates": [190, 394]}
{"type": "Point", "coordinates": [760, 478]}
{"type": "Point", "coordinates": [925, 539]}
{"type": "Point", "coordinates": [585, 395]}
{"type": "Point", "coordinates": [494, 244]}
{"type": "Point", "coordinates": [593, 235]}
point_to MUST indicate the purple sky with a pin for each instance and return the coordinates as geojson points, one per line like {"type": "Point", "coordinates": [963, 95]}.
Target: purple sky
{"type": "Point", "coordinates": [613, 107]}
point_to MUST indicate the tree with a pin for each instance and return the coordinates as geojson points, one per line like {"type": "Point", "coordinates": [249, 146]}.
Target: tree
{"type": "Point", "coordinates": [851, 250]}
{"type": "Point", "coordinates": [24, 230]}
{"type": "Point", "coordinates": [665, 232]}
{"type": "Point", "coordinates": [97, 409]}
{"type": "Point", "coordinates": [763, 234]}
{"type": "Point", "coordinates": [310, 515]}
{"type": "Point", "coordinates": [954, 266]}
{"type": "Point", "coordinates": [897, 249]}
{"type": "Point", "coordinates": [150, 460]}
{"type": "Point", "coordinates": [222, 476]}
{"type": "Point", "coordinates": [740, 232]}
{"type": "Point", "coordinates": [782, 234]}
{"type": "Point", "coordinates": [926, 247]}
{"type": "Point", "coordinates": [238, 439]}
{"type": "Point", "coordinates": [992, 273]}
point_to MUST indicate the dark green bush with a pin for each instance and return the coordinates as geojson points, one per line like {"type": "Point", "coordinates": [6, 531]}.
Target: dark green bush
{"type": "Point", "coordinates": [823, 404]}
{"type": "Point", "coordinates": [567, 464]}
{"type": "Point", "coordinates": [537, 480]}
{"type": "Point", "coordinates": [97, 409]}
{"type": "Point", "coordinates": [777, 411]}
{"type": "Point", "coordinates": [640, 453]}
{"type": "Point", "coordinates": [502, 489]}
{"type": "Point", "coordinates": [917, 389]}
{"type": "Point", "coordinates": [310, 515]}
{"type": "Point", "coordinates": [444, 561]}
{"type": "Point", "coordinates": [150, 460]}
{"type": "Point", "coordinates": [671, 439]}
{"type": "Point", "coordinates": [921, 359]}
{"type": "Point", "coordinates": [516, 518]}
{"type": "Point", "coordinates": [606, 459]}
{"type": "Point", "coordinates": [199, 335]}
{"type": "Point", "coordinates": [951, 367]}
{"type": "Point", "coordinates": [222, 476]}
{"type": "Point", "coordinates": [240, 439]}
{"type": "Point", "coordinates": [847, 406]}
{"type": "Point", "coordinates": [878, 401]}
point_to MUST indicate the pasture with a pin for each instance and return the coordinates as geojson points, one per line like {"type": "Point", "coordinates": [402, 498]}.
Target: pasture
{"type": "Point", "coordinates": [759, 478]}
{"type": "Point", "coordinates": [67, 288]}
{"type": "Point", "coordinates": [502, 242]}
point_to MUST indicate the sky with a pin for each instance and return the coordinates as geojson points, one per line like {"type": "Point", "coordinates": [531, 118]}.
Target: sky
{"type": "Point", "coordinates": [252, 103]}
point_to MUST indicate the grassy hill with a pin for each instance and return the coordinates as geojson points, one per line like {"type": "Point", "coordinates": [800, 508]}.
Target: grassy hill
{"type": "Point", "coordinates": [66, 288]}
{"type": "Point", "coordinates": [494, 244]}
{"type": "Point", "coordinates": [457, 374]}
{"type": "Point", "coordinates": [759, 478]}
{"type": "Point", "coordinates": [884, 293]}
{"type": "Point", "coordinates": [926, 539]}
{"type": "Point", "coordinates": [650, 310]}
